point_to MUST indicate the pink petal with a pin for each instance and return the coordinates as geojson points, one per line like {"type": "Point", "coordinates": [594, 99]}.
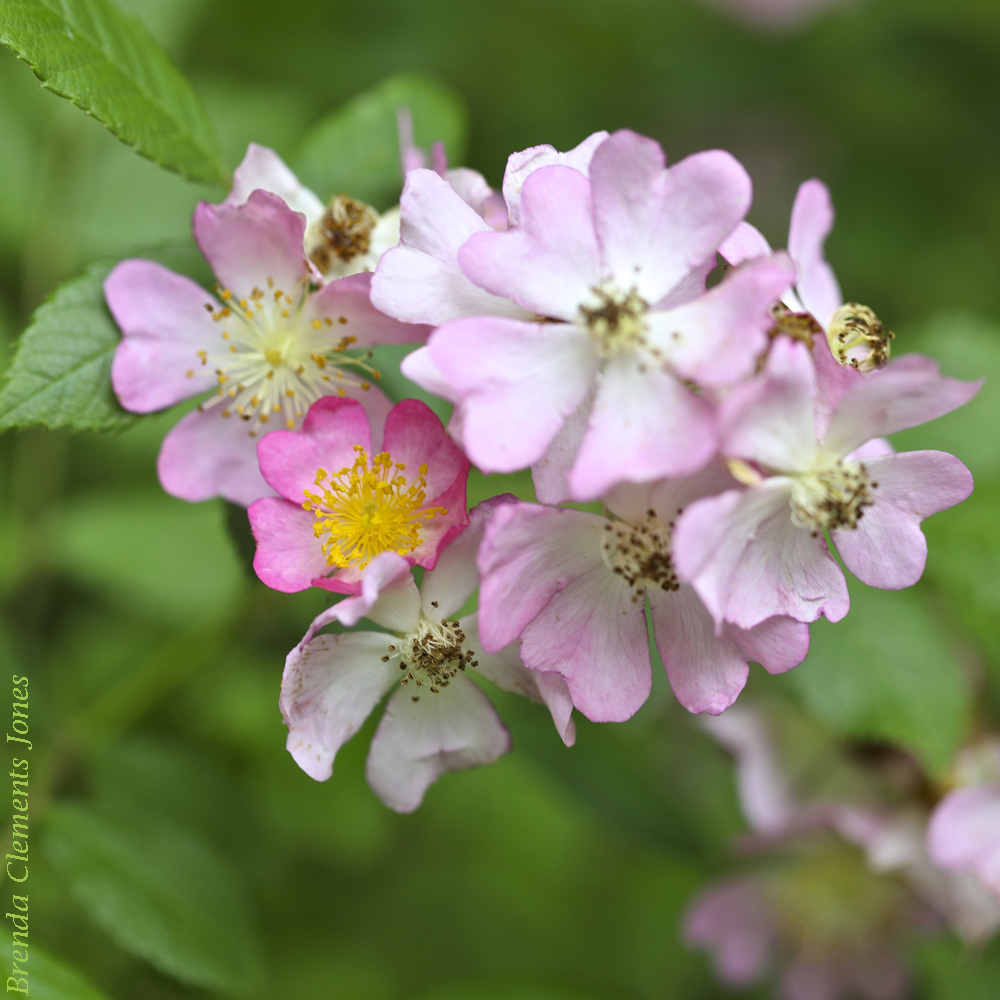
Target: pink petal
{"type": "Point", "coordinates": [262, 169]}
{"type": "Point", "coordinates": [964, 833]}
{"type": "Point", "coordinates": [644, 425]}
{"type": "Point", "coordinates": [388, 597]}
{"type": "Point", "coordinates": [418, 741]}
{"type": "Point", "coordinates": [593, 633]}
{"type": "Point", "coordinates": [770, 419]}
{"type": "Point", "coordinates": [907, 392]}
{"type": "Point", "coordinates": [164, 321]}
{"type": "Point", "coordinates": [414, 436]}
{"type": "Point", "coordinates": [527, 555]}
{"type": "Point", "coordinates": [505, 670]}
{"type": "Point", "coordinates": [347, 304]}
{"type": "Point", "coordinates": [471, 187]}
{"type": "Point", "coordinates": [744, 243]}
{"type": "Point", "coordinates": [730, 920]}
{"type": "Point", "coordinates": [748, 561]}
{"type": "Point", "coordinates": [764, 787]}
{"type": "Point", "coordinates": [549, 264]}
{"type": "Point", "coordinates": [329, 688]}
{"type": "Point", "coordinates": [207, 455]}
{"type": "Point", "coordinates": [420, 280]}
{"type": "Point", "coordinates": [706, 671]}
{"type": "Point", "coordinates": [455, 577]}
{"type": "Point", "coordinates": [656, 225]}
{"type": "Point", "coordinates": [521, 165]}
{"type": "Point", "coordinates": [256, 245]}
{"type": "Point", "coordinates": [550, 474]}
{"type": "Point", "coordinates": [289, 460]}
{"type": "Point", "coordinates": [812, 220]}
{"type": "Point", "coordinates": [518, 382]}
{"type": "Point", "coordinates": [289, 556]}
{"type": "Point", "coordinates": [833, 380]}
{"type": "Point", "coordinates": [888, 549]}
{"type": "Point", "coordinates": [777, 644]}
{"type": "Point", "coordinates": [716, 339]}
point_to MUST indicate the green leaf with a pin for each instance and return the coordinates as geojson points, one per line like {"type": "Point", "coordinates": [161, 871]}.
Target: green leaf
{"type": "Point", "coordinates": [160, 892]}
{"type": "Point", "coordinates": [106, 63]}
{"type": "Point", "coordinates": [356, 149]}
{"type": "Point", "coordinates": [60, 375]}
{"type": "Point", "coordinates": [886, 672]}
{"type": "Point", "coordinates": [50, 979]}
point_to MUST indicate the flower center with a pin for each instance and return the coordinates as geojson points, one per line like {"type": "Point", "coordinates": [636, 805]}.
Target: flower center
{"type": "Point", "coordinates": [433, 656]}
{"type": "Point", "coordinates": [832, 497]}
{"type": "Point", "coordinates": [615, 319]}
{"type": "Point", "coordinates": [859, 338]}
{"type": "Point", "coordinates": [797, 326]}
{"type": "Point", "coordinates": [363, 512]}
{"type": "Point", "coordinates": [274, 362]}
{"type": "Point", "coordinates": [343, 233]}
{"type": "Point", "coordinates": [640, 554]}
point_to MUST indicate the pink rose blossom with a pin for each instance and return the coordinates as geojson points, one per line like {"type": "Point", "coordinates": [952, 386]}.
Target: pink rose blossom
{"type": "Point", "coordinates": [437, 719]}
{"type": "Point", "coordinates": [573, 585]}
{"type": "Point", "coordinates": [615, 265]}
{"type": "Point", "coordinates": [756, 552]}
{"type": "Point", "coordinates": [347, 492]}
{"type": "Point", "coordinates": [267, 345]}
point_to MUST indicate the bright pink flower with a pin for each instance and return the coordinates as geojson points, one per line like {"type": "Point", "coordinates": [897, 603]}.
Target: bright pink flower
{"type": "Point", "coordinates": [615, 264]}
{"type": "Point", "coordinates": [348, 493]}
{"type": "Point", "coordinates": [438, 719]}
{"type": "Point", "coordinates": [572, 586]}
{"type": "Point", "coordinates": [267, 345]}
{"type": "Point", "coordinates": [758, 552]}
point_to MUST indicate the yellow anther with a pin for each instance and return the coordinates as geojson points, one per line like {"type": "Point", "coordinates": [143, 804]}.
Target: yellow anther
{"type": "Point", "coordinates": [363, 511]}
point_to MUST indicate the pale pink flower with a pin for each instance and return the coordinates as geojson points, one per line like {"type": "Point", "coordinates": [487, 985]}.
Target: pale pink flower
{"type": "Point", "coordinates": [573, 585]}
{"type": "Point", "coordinates": [349, 492]}
{"type": "Point", "coordinates": [964, 831]}
{"type": "Point", "coordinates": [422, 277]}
{"type": "Point", "coordinates": [756, 552]}
{"type": "Point", "coordinates": [609, 274]}
{"type": "Point", "coordinates": [266, 343]}
{"type": "Point", "coordinates": [438, 719]}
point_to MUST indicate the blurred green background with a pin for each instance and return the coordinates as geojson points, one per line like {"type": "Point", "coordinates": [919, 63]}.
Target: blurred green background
{"type": "Point", "coordinates": [155, 658]}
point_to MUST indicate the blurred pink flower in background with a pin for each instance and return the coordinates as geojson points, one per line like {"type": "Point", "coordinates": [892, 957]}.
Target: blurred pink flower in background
{"type": "Point", "coordinates": [777, 14]}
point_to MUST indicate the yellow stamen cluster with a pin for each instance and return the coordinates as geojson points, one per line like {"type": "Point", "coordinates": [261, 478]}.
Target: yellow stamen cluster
{"type": "Point", "coordinates": [859, 338]}
{"type": "Point", "coordinates": [272, 362]}
{"type": "Point", "coordinates": [365, 511]}
{"type": "Point", "coordinates": [344, 232]}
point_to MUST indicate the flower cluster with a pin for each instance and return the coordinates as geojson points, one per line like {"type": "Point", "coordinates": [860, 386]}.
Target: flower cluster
{"type": "Point", "coordinates": [700, 435]}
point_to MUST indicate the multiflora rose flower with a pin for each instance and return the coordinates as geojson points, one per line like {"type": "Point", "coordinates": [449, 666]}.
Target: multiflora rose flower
{"type": "Point", "coordinates": [760, 551]}
{"type": "Point", "coordinates": [268, 343]}
{"type": "Point", "coordinates": [608, 272]}
{"type": "Point", "coordinates": [438, 718]}
{"type": "Point", "coordinates": [349, 492]}
{"type": "Point", "coordinates": [573, 586]}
